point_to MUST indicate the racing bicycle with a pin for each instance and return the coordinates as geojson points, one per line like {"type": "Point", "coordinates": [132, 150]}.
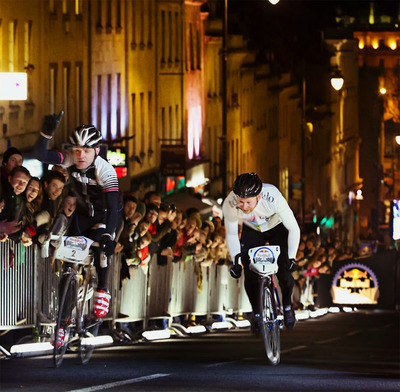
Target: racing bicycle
{"type": "Point", "coordinates": [75, 321]}
{"type": "Point", "coordinates": [264, 262]}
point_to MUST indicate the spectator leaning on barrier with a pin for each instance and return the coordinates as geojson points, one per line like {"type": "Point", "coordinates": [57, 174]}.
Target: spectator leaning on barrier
{"type": "Point", "coordinates": [11, 158]}
{"type": "Point", "coordinates": [152, 197]}
{"type": "Point", "coordinates": [12, 192]}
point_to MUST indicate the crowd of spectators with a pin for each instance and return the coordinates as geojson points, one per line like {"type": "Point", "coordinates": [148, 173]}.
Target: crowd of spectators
{"type": "Point", "coordinates": [32, 209]}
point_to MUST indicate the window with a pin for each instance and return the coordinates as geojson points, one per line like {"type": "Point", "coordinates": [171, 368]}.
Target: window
{"type": "Point", "coordinates": [12, 45]}
{"type": "Point", "coordinates": [150, 122]}
{"type": "Point", "coordinates": [198, 51]}
{"type": "Point", "coordinates": [99, 101]}
{"type": "Point", "coordinates": [163, 38]}
{"type": "Point", "coordinates": [118, 108]}
{"type": "Point", "coordinates": [27, 42]}
{"type": "Point", "coordinates": [78, 93]}
{"type": "Point", "coordinates": [170, 39]}
{"type": "Point", "coordinates": [78, 7]}
{"type": "Point", "coordinates": [191, 48]}
{"type": "Point", "coordinates": [66, 93]}
{"type": "Point", "coordinates": [53, 87]}
{"type": "Point", "coordinates": [142, 124]}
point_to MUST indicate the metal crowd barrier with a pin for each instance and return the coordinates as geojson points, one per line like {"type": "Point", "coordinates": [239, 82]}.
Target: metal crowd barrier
{"type": "Point", "coordinates": [29, 290]}
{"type": "Point", "coordinates": [17, 285]}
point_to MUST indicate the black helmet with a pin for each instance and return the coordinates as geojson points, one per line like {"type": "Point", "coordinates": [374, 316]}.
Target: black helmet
{"type": "Point", "coordinates": [247, 185]}
{"type": "Point", "coordinates": [86, 136]}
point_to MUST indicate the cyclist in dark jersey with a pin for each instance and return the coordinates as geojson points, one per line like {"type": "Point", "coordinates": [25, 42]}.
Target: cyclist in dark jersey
{"type": "Point", "coordinates": [266, 217]}
{"type": "Point", "coordinates": [96, 186]}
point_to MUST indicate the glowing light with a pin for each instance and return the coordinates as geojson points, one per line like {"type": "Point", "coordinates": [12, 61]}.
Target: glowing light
{"type": "Point", "coordinates": [361, 44]}
{"type": "Point", "coordinates": [382, 91]}
{"type": "Point", "coordinates": [392, 45]}
{"type": "Point", "coordinates": [375, 44]}
{"type": "Point", "coordinates": [274, 2]}
{"type": "Point", "coordinates": [194, 132]}
{"type": "Point", "coordinates": [397, 138]}
{"type": "Point", "coordinates": [13, 86]}
{"type": "Point", "coordinates": [337, 83]}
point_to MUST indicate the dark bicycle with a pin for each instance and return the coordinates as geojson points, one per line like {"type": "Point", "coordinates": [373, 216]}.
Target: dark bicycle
{"type": "Point", "coordinates": [76, 326]}
{"type": "Point", "coordinates": [264, 262]}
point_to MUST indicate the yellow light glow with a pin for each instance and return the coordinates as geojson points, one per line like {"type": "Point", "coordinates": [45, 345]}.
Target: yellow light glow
{"type": "Point", "coordinates": [392, 45]}
{"type": "Point", "coordinates": [361, 44]}
{"type": "Point", "coordinates": [375, 44]}
{"type": "Point", "coordinates": [274, 2]}
{"type": "Point", "coordinates": [382, 91]}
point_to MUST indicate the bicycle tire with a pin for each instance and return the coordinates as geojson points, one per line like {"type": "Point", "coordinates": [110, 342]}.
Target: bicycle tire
{"type": "Point", "coordinates": [269, 328]}
{"type": "Point", "coordinates": [64, 319]}
{"type": "Point", "coordinates": [89, 329]}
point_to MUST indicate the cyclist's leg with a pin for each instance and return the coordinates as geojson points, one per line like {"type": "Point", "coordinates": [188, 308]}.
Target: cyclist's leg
{"type": "Point", "coordinates": [250, 239]}
{"type": "Point", "coordinates": [93, 228]}
{"type": "Point", "coordinates": [279, 236]}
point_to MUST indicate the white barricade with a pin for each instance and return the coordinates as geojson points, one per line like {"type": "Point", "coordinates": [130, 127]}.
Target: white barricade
{"type": "Point", "coordinates": [160, 277]}
{"type": "Point", "coordinates": [201, 290]}
{"type": "Point", "coordinates": [17, 285]}
{"type": "Point", "coordinates": [133, 295]}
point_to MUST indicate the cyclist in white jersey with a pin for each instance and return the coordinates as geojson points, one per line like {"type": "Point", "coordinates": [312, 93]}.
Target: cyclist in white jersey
{"type": "Point", "coordinates": [266, 218]}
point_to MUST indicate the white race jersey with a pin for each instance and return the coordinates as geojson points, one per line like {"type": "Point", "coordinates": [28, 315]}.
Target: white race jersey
{"type": "Point", "coordinates": [271, 209]}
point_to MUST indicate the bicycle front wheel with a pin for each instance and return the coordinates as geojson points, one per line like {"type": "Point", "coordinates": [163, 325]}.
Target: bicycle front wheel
{"type": "Point", "coordinates": [270, 330]}
{"type": "Point", "coordinates": [89, 324]}
{"type": "Point", "coordinates": [65, 326]}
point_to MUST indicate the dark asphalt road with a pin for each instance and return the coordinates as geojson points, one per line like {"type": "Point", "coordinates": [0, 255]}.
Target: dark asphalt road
{"type": "Point", "coordinates": [358, 351]}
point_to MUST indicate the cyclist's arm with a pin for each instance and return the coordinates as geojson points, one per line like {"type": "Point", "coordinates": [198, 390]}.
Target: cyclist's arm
{"type": "Point", "coordinates": [231, 223]}
{"type": "Point", "coordinates": [44, 154]}
{"type": "Point", "coordinates": [108, 178]}
{"type": "Point", "coordinates": [289, 221]}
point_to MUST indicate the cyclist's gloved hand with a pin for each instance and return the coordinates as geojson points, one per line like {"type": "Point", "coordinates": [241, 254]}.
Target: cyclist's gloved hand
{"type": "Point", "coordinates": [236, 268]}
{"type": "Point", "coordinates": [51, 123]}
{"type": "Point", "coordinates": [293, 265]}
{"type": "Point", "coordinates": [236, 271]}
{"type": "Point", "coordinates": [107, 245]}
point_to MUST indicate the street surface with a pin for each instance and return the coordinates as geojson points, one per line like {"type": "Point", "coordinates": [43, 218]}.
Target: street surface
{"type": "Point", "coordinates": [357, 351]}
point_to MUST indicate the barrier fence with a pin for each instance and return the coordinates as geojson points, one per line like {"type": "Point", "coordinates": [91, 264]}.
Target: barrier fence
{"type": "Point", "coordinates": [29, 289]}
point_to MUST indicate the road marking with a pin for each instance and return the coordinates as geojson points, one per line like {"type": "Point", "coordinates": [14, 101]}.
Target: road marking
{"type": "Point", "coordinates": [216, 364]}
{"type": "Point", "coordinates": [119, 383]}
{"type": "Point", "coordinates": [351, 333]}
{"type": "Point", "coordinates": [327, 340]}
{"type": "Point", "coordinates": [296, 348]}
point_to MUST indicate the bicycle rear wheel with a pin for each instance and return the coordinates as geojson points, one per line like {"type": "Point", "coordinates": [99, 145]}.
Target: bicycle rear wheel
{"type": "Point", "coordinates": [270, 329]}
{"type": "Point", "coordinates": [64, 319]}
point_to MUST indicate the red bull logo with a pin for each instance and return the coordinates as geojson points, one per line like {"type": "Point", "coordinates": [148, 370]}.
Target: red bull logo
{"type": "Point", "coordinates": [79, 243]}
{"type": "Point", "coordinates": [264, 255]}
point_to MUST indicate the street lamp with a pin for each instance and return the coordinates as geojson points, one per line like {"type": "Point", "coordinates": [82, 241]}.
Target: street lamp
{"type": "Point", "coordinates": [337, 80]}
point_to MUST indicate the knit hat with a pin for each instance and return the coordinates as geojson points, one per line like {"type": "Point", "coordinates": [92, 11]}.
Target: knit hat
{"type": "Point", "coordinates": [9, 152]}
